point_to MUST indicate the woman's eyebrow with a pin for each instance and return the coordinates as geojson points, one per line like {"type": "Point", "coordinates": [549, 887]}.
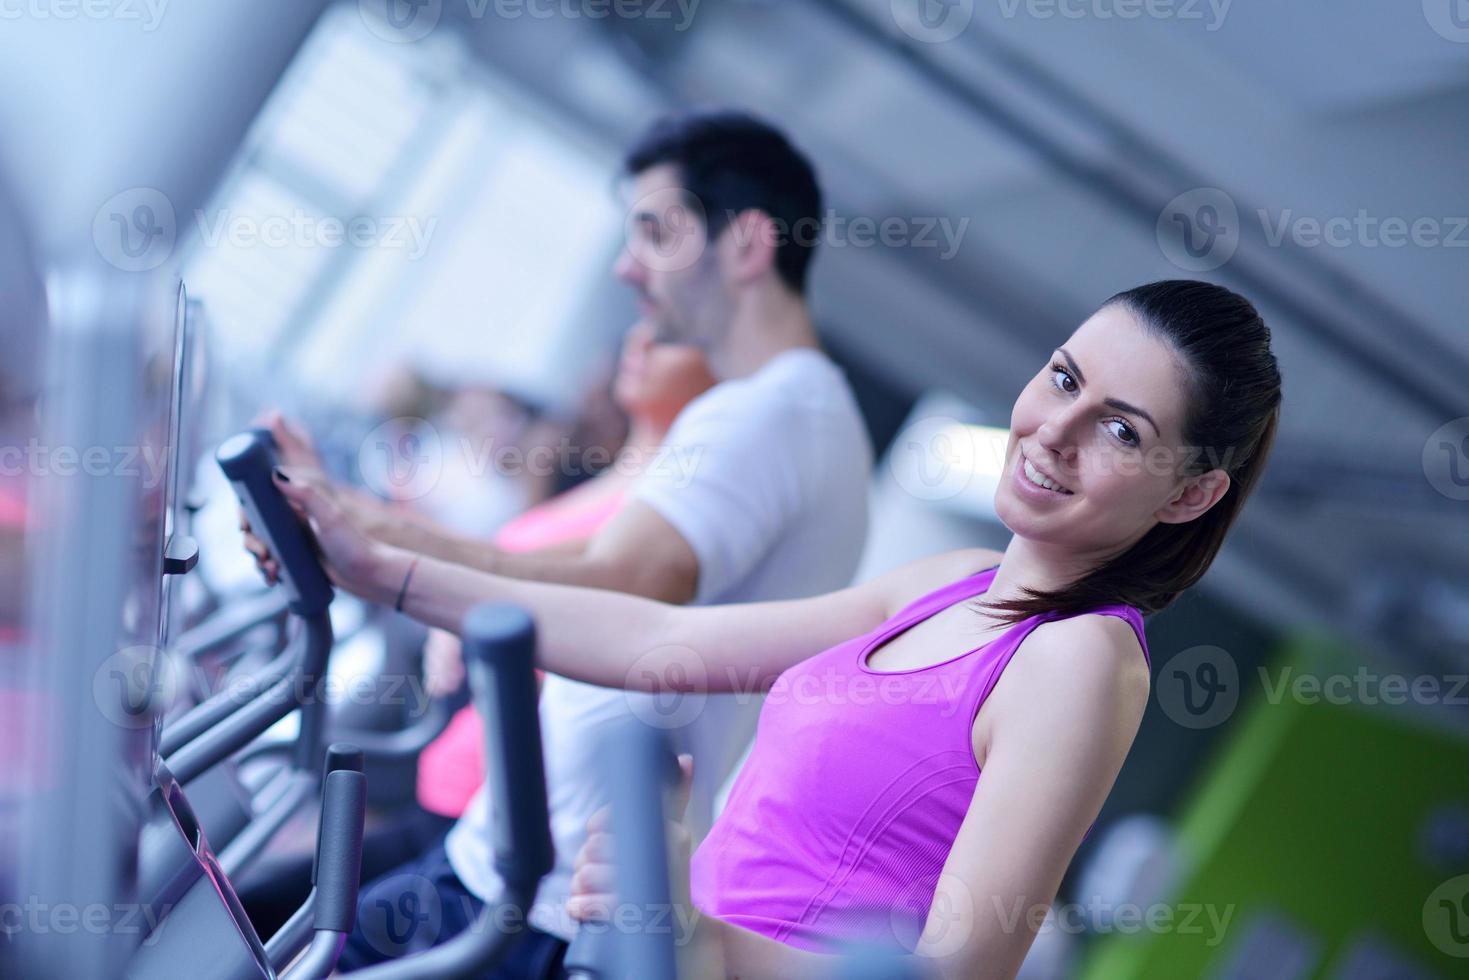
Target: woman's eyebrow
{"type": "Point", "coordinates": [1116, 403]}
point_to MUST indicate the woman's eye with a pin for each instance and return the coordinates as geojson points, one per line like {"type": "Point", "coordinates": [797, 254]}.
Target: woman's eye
{"type": "Point", "coordinates": [1124, 432]}
{"type": "Point", "coordinates": [1061, 379]}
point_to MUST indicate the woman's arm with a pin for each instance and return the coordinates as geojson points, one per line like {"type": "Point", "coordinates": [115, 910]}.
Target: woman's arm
{"type": "Point", "coordinates": [1060, 723]}
{"type": "Point", "coordinates": [611, 638]}
{"type": "Point", "coordinates": [620, 640]}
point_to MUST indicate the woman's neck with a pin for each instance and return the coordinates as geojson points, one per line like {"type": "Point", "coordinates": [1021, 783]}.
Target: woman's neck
{"type": "Point", "coordinates": [1028, 564]}
{"type": "Point", "coordinates": [645, 437]}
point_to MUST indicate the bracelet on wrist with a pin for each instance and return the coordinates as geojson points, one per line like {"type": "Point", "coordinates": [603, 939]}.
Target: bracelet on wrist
{"type": "Point", "coordinates": [403, 591]}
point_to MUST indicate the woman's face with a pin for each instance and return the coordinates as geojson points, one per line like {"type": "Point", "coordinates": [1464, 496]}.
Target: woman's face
{"type": "Point", "coordinates": [1103, 419]}
{"type": "Point", "coordinates": [656, 380]}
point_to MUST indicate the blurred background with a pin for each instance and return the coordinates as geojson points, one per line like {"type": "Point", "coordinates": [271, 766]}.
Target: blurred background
{"type": "Point", "coordinates": [397, 219]}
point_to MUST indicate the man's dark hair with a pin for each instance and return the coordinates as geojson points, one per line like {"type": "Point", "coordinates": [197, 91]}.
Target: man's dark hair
{"type": "Point", "coordinates": [731, 162]}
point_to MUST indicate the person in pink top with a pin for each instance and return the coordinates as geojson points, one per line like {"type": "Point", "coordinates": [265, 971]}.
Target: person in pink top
{"type": "Point", "coordinates": [936, 767]}
{"type": "Point", "coordinates": [12, 562]}
{"type": "Point", "coordinates": [654, 382]}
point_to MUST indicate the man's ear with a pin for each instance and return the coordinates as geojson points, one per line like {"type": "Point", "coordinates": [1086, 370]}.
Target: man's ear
{"type": "Point", "coordinates": [748, 245]}
{"type": "Point", "coordinates": [1199, 493]}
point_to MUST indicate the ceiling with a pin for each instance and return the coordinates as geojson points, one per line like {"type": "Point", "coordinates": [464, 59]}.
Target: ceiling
{"type": "Point", "coordinates": [1061, 140]}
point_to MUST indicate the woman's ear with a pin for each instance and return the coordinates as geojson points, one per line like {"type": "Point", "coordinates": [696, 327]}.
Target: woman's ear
{"type": "Point", "coordinates": [1199, 493]}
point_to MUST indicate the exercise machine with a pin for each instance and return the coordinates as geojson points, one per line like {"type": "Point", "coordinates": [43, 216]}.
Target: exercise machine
{"type": "Point", "coordinates": [202, 930]}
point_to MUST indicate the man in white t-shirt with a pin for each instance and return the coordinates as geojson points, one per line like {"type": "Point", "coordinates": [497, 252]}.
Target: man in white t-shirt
{"type": "Point", "coordinates": [759, 493]}
{"type": "Point", "coordinates": [769, 490]}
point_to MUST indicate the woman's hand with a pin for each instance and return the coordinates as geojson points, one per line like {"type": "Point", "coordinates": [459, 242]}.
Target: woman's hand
{"type": "Point", "coordinates": [295, 450]}
{"type": "Point", "coordinates": [593, 888]}
{"type": "Point", "coordinates": [352, 559]}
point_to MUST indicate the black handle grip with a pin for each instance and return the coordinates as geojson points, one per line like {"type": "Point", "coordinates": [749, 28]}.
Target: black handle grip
{"type": "Point", "coordinates": [593, 952]}
{"type": "Point", "coordinates": [646, 770]}
{"type": "Point", "coordinates": [499, 647]}
{"type": "Point", "coordinates": [339, 850]}
{"type": "Point", "coordinates": [248, 460]}
{"type": "Point", "coordinates": [344, 755]}
{"type": "Point", "coordinates": [339, 756]}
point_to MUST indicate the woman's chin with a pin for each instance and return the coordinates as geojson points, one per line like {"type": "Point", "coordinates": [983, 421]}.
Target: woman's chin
{"type": "Point", "coordinates": [1019, 518]}
{"type": "Point", "coordinates": [1003, 511]}
{"type": "Point", "coordinates": [626, 396]}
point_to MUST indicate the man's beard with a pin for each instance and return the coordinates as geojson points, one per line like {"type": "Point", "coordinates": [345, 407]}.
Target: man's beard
{"type": "Point", "coordinates": [698, 313]}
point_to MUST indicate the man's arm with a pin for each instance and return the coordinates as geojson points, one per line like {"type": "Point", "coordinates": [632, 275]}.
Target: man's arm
{"type": "Point", "coordinates": [398, 526]}
{"type": "Point", "coordinates": [637, 551]}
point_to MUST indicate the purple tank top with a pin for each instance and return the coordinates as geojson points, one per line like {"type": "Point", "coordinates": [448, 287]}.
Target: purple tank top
{"type": "Point", "coordinates": [838, 826]}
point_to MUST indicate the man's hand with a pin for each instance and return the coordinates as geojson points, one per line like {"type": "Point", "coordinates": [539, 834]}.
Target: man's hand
{"type": "Point", "coordinates": [294, 447]}
{"type": "Point", "coordinates": [443, 664]}
{"type": "Point", "coordinates": [296, 452]}
{"type": "Point", "coordinates": [593, 887]}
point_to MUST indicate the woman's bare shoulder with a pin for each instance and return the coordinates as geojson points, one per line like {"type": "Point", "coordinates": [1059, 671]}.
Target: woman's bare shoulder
{"type": "Point", "coordinates": [1092, 657]}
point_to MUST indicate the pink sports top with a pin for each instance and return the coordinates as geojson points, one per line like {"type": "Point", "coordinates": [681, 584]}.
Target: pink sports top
{"type": "Point", "coordinates": [838, 826]}
{"type": "Point", "coordinates": [452, 766]}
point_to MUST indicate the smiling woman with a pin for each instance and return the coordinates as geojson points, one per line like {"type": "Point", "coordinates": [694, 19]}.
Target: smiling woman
{"type": "Point", "coordinates": [1154, 424]}
{"type": "Point", "coordinates": [1135, 449]}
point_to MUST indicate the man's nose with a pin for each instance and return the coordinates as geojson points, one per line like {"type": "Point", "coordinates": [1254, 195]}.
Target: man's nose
{"type": "Point", "coordinates": [628, 269]}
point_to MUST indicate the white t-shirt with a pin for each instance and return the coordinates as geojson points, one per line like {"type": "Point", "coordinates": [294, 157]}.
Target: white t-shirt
{"type": "Point", "coordinates": [766, 478]}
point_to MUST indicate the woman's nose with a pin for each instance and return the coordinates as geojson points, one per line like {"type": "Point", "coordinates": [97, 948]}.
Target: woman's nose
{"type": "Point", "coordinates": [1057, 434]}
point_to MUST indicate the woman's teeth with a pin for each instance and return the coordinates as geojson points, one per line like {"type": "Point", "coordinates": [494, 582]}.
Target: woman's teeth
{"type": "Point", "coordinates": [1034, 476]}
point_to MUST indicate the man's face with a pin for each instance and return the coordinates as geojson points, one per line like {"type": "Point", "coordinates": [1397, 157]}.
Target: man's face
{"type": "Point", "coordinates": [669, 261]}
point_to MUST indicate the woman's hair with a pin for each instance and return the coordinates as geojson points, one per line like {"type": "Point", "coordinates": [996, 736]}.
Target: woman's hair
{"type": "Point", "coordinates": [1233, 407]}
